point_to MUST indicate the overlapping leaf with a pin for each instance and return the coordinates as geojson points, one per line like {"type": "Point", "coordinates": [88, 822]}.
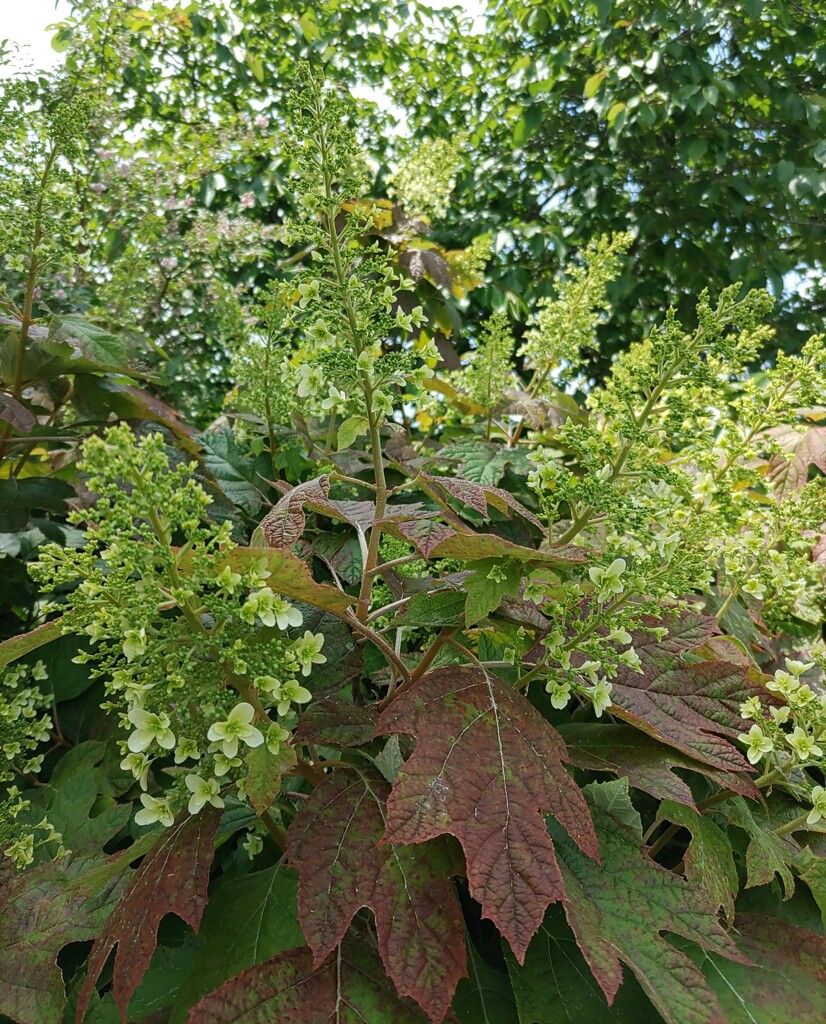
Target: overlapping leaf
{"type": "Point", "coordinates": [289, 576]}
{"type": "Point", "coordinates": [473, 547]}
{"type": "Point", "coordinates": [285, 522]}
{"type": "Point", "coordinates": [486, 768]}
{"type": "Point", "coordinates": [172, 879]}
{"type": "Point", "coordinates": [618, 910]}
{"type": "Point", "coordinates": [481, 498]}
{"type": "Point", "coordinates": [334, 843]}
{"type": "Point", "coordinates": [783, 980]}
{"type": "Point", "coordinates": [350, 987]}
{"type": "Point", "coordinates": [693, 706]}
{"type": "Point", "coordinates": [41, 911]}
{"type": "Point", "coordinates": [646, 763]}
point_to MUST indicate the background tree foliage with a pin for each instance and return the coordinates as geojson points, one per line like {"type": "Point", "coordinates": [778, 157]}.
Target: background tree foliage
{"type": "Point", "coordinates": [699, 127]}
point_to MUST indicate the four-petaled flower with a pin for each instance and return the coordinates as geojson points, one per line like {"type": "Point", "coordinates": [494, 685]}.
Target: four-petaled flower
{"type": "Point", "coordinates": [134, 643]}
{"type": "Point", "coordinates": [560, 694]}
{"type": "Point", "coordinates": [307, 651]}
{"type": "Point", "coordinates": [803, 745]}
{"type": "Point", "coordinates": [291, 692]}
{"type": "Point", "coordinates": [607, 580]}
{"type": "Point", "coordinates": [149, 728]}
{"type": "Point", "coordinates": [818, 810]}
{"type": "Point", "coordinates": [600, 696]}
{"type": "Point", "coordinates": [758, 743]}
{"type": "Point", "coordinates": [237, 726]}
{"type": "Point", "coordinates": [154, 809]}
{"type": "Point", "coordinates": [204, 791]}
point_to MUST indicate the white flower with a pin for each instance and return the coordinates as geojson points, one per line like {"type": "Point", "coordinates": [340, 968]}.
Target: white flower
{"type": "Point", "coordinates": [39, 672]}
{"type": "Point", "coordinates": [758, 743]}
{"type": "Point", "coordinates": [134, 643]}
{"type": "Point", "coordinates": [223, 763]}
{"type": "Point", "coordinates": [607, 580]}
{"type": "Point", "coordinates": [291, 692]}
{"type": "Point", "coordinates": [818, 810]}
{"type": "Point", "coordinates": [236, 727]}
{"type": "Point", "coordinates": [138, 765]}
{"type": "Point", "coordinates": [154, 809]}
{"type": "Point", "coordinates": [204, 791]}
{"type": "Point", "coordinates": [276, 735]}
{"type": "Point", "coordinates": [185, 750]}
{"type": "Point", "coordinates": [247, 201]}
{"type": "Point", "coordinates": [253, 844]}
{"type": "Point", "coordinates": [600, 696]}
{"type": "Point", "coordinates": [631, 659]}
{"type": "Point", "coordinates": [149, 728]}
{"type": "Point", "coordinates": [620, 636]}
{"type": "Point", "coordinates": [334, 399]}
{"type": "Point", "coordinates": [286, 615]}
{"type": "Point", "coordinates": [560, 694]}
{"type": "Point", "coordinates": [803, 745]}
{"type": "Point", "coordinates": [307, 651]}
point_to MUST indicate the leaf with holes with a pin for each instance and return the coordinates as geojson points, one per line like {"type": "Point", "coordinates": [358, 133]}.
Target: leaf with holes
{"type": "Point", "coordinates": [694, 706]}
{"type": "Point", "coordinates": [334, 844]}
{"type": "Point", "coordinates": [709, 861]}
{"type": "Point", "coordinates": [41, 911]}
{"type": "Point", "coordinates": [486, 768]}
{"type": "Point", "coordinates": [350, 987]}
{"type": "Point", "coordinates": [618, 909]}
{"type": "Point", "coordinates": [646, 763]}
{"type": "Point", "coordinates": [172, 879]}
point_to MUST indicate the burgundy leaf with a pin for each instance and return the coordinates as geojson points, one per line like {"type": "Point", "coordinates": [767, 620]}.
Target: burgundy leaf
{"type": "Point", "coordinates": [350, 987]}
{"type": "Point", "coordinates": [425, 534]}
{"type": "Point", "coordinates": [334, 843]}
{"type": "Point", "coordinates": [336, 722]}
{"type": "Point", "coordinates": [285, 522]}
{"type": "Point", "coordinates": [486, 769]}
{"type": "Point", "coordinates": [172, 879]}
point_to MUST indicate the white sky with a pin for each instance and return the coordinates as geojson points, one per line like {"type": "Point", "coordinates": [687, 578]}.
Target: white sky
{"type": "Point", "coordinates": [24, 23]}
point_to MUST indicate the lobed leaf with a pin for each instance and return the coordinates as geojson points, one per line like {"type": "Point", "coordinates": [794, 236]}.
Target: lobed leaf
{"type": "Point", "coordinates": [691, 706]}
{"type": "Point", "coordinates": [485, 769]}
{"type": "Point", "coordinates": [172, 879]}
{"type": "Point", "coordinates": [350, 987]}
{"type": "Point", "coordinates": [289, 576]}
{"type": "Point", "coordinates": [618, 909]}
{"type": "Point", "coordinates": [334, 844]}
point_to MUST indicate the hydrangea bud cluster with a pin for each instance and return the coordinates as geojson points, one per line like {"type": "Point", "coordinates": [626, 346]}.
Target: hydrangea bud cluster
{"type": "Point", "coordinates": [24, 726]}
{"type": "Point", "coordinates": [190, 637]}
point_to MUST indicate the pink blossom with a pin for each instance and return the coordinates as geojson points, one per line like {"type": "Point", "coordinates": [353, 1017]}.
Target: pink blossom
{"type": "Point", "coordinates": [247, 201]}
{"type": "Point", "coordinates": [169, 262]}
{"type": "Point", "coordinates": [97, 186]}
{"type": "Point", "coordinates": [59, 293]}
{"type": "Point", "coordinates": [170, 204]}
{"type": "Point", "coordinates": [262, 122]}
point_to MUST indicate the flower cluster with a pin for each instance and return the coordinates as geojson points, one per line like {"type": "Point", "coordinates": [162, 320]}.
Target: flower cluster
{"type": "Point", "coordinates": [24, 726]}
{"type": "Point", "coordinates": [188, 633]}
{"type": "Point", "coordinates": [423, 181]}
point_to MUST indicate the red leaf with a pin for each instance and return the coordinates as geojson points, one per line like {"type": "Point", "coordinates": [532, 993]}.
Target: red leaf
{"type": "Point", "coordinates": [647, 764]}
{"type": "Point", "coordinates": [333, 842]}
{"type": "Point", "coordinates": [486, 768]}
{"type": "Point", "coordinates": [172, 879]}
{"type": "Point", "coordinates": [690, 705]}
{"type": "Point", "coordinates": [480, 497]}
{"type": "Point", "coordinates": [284, 523]}
{"type": "Point", "coordinates": [350, 987]}
{"type": "Point", "coordinates": [425, 534]}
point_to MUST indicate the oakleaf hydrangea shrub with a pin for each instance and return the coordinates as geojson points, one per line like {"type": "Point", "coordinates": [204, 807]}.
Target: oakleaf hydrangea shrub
{"type": "Point", "coordinates": [559, 641]}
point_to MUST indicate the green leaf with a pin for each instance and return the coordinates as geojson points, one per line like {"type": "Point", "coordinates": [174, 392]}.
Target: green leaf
{"type": "Point", "coordinates": [767, 855]}
{"type": "Point", "coordinates": [709, 861]}
{"type": "Point", "coordinates": [350, 429]}
{"type": "Point", "coordinates": [618, 909]}
{"type": "Point", "coordinates": [485, 463]}
{"type": "Point", "coordinates": [435, 609]}
{"type": "Point", "coordinates": [486, 996]}
{"type": "Point", "coordinates": [484, 593]}
{"type": "Point", "coordinates": [264, 771]}
{"type": "Point", "coordinates": [592, 84]}
{"type": "Point", "coordinates": [236, 471]}
{"type": "Point", "coordinates": [474, 547]}
{"type": "Point", "coordinates": [18, 646]}
{"type": "Point", "coordinates": [248, 920]}
{"type": "Point", "coordinates": [555, 984]}
{"type": "Point", "coordinates": [815, 878]}
{"type": "Point", "coordinates": [785, 982]}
